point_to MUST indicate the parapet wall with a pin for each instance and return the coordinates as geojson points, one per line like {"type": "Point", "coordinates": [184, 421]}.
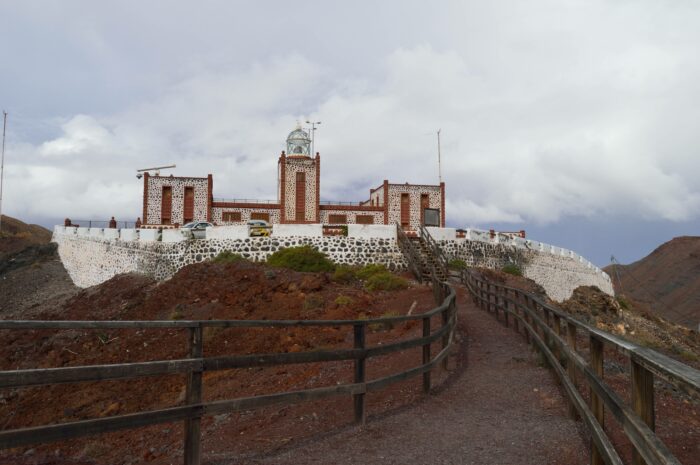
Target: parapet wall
{"type": "Point", "coordinates": [92, 256]}
{"type": "Point", "coordinates": [93, 259]}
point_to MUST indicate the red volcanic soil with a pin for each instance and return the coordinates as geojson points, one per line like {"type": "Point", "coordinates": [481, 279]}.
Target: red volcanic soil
{"type": "Point", "coordinates": [203, 291]}
{"type": "Point", "coordinates": [667, 281]}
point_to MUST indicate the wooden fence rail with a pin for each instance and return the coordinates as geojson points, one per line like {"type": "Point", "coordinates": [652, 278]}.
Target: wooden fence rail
{"type": "Point", "coordinates": [194, 366]}
{"type": "Point", "coordinates": [542, 326]}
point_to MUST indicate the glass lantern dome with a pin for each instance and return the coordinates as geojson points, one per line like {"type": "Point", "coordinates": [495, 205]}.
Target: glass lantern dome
{"type": "Point", "coordinates": [298, 142]}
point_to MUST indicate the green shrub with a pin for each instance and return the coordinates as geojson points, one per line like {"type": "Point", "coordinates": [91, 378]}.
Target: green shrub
{"type": "Point", "coordinates": [226, 256]}
{"type": "Point", "coordinates": [344, 228]}
{"type": "Point", "coordinates": [385, 281]}
{"type": "Point", "coordinates": [303, 258]}
{"type": "Point", "coordinates": [457, 264]}
{"type": "Point", "coordinates": [513, 269]}
{"type": "Point", "coordinates": [344, 274]}
{"type": "Point", "coordinates": [343, 300]}
{"type": "Point", "coordinates": [368, 271]}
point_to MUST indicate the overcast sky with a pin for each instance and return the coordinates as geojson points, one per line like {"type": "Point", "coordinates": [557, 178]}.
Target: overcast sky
{"type": "Point", "coordinates": [575, 120]}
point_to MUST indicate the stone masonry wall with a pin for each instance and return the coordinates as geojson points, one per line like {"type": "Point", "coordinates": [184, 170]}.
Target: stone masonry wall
{"type": "Point", "coordinates": [558, 274]}
{"type": "Point", "coordinates": [91, 261]}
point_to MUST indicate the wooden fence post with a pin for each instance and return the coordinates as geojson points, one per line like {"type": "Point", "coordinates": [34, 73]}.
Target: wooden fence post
{"type": "Point", "coordinates": [570, 366]}
{"type": "Point", "coordinates": [193, 395]}
{"type": "Point", "coordinates": [426, 354]}
{"type": "Point", "coordinates": [642, 399]}
{"type": "Point", "coordinates": [359, 399]}
{"type": "Point", "coordinates": [597, 406]}
{"type": "Point", "coordinates": [557, 331]}
{"type": "Point", "coordinates": [446, 338]}
{"type": "Point", "coordinates": [505, 307]}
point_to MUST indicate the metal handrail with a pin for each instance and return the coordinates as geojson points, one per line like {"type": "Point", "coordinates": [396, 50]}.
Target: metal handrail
{"type": "Point", "coordinates": [438, 253]}
{"type": "Point", "coordinates": [410, 252]}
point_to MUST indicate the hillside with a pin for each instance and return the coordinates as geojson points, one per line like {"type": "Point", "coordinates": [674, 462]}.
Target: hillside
{"type": "Point", "coordinates": [208, 290]}
{"type": "Point", "coordinates": [17, 235]}
{"type": "Point", "coordinates": [666, 282]}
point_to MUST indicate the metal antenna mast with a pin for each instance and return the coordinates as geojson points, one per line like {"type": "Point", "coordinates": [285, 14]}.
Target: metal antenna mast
{"type": "Point", "coordinates": [439, 163]}
{"type": "Point", "coordinates": [2, 163]}
{"type": "Point", "coordinates": [313, 138]}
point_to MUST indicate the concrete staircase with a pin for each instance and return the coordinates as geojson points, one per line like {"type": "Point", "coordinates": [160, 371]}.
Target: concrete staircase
{"type": "Point", "coordinates": [428, 260]}
{"type": "Point", "coordinates": [424, 256]}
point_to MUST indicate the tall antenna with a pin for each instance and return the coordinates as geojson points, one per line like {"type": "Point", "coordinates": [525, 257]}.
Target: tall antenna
{"type": "Point", "coordinates": [313, 138]}
{"type": "Point", "coordinates": [439, 163]}
{"type": "Point", "coordinates": [2, 163]}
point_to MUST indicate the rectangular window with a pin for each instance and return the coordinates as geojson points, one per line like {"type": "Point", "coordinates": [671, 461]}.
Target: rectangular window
{"type": "Point", "coordinates": [260, 216]}
{"type": "Point", "coordinates": [364, 219]}
{"type": "Point", "coordinates": [432, 217]}
{"type": "Point", "coordinates": [405, 210]}
{"type": "Point", "coordinates": [229, 217]}
{"type": "Point", "coordinates": [424, 203]}
{"type": "Point", "coordinates": [338, 219]}
{"type": "Point", "coordinates": [166, 205]}
{"type": "Point", "coordinates": [300, 196]}
{"type": "Point", "coordinates": [189, 204]}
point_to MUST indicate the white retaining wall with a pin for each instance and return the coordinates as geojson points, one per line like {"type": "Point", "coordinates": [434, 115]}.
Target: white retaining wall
{"type": "Point", "coordinates": [91, 259]}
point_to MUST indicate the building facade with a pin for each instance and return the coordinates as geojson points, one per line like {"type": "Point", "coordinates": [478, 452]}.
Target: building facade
{"type": "Point", "coordinates": [171, 200]}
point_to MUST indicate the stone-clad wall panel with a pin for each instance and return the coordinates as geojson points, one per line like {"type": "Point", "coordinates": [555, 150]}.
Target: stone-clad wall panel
{"type": "Point", "coordinates": [414, 192]}
{"type": "Point", "coordinates": [292, 167]}
{"type": "Point", "coordinates": [155, 197]}
{"type": "Point", "coordinates": [217, 215]}
{"type": "Point", "coordinates": [351, 216]}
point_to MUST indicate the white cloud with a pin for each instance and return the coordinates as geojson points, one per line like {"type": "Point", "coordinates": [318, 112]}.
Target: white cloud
{"type": "Point", "coordinates": [558, 111]}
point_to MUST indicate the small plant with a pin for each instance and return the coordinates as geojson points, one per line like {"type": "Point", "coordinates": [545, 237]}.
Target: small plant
{"type": "Point", "coordinates": [344, 229]}
{"type": "Point", "coordinates": [622, 302]}
{"type": "Point", "coordinates": [384, 325]}
{"type": "Point", "coordinates": [343, 300]}
{"type": "Point", "coordinates": [344, 274]}
{"type": "Point", "coordinates": [457, 264]}
{"type": "Point", "coordinates": [385, 281]}
{"type": "Point", "coordinates": [226, 256]}
{"type": "Point", "coordinates": [513, 269]}
{"type": "Point", "coordinates": [313, 301]}
{"type": "Point", "coordinates": [177, 313]}
{"type": "Point", "coordinates": [303, 258]}
{"type": "Point", "coordinates": [368, 271]}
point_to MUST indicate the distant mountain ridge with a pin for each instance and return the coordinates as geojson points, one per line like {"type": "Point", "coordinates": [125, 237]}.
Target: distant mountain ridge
{"type": "Point", "coordinates": [667, 280]}
{"type": "Point", "coordinates": [17, 235]}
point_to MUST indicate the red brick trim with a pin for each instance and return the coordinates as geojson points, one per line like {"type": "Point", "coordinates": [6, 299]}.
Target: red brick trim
{"type": "Point", "coordinates": [318, 187]}
{"type": "Point", "coordinates": [346, 208]}
{"type": "Point", "coordinates": [386, 201]}
{"type": "Point", "coordinates": [262, 206]}
{"type": "Point", "coordinates": [210, 195]}
{"type": "Point", "coordinates": [144, 216]}
{"type": "Point", "coordinates": [442, 204]}
{"type": "Point", "coordinates": [283, 177]}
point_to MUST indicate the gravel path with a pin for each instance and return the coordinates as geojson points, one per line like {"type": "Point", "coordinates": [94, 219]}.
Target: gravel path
{"type": "Point", "coordinates": [502, 408]}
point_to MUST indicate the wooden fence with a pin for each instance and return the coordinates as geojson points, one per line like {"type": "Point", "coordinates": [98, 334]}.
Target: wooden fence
{"type": "Point", "coordinates": [194, 408]}
{"type": "Point", "coordinates": [542, 327]}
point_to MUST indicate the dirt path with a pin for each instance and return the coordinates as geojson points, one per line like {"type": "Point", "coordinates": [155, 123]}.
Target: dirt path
{"type": "Point", "coordinates": [501, 409]}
